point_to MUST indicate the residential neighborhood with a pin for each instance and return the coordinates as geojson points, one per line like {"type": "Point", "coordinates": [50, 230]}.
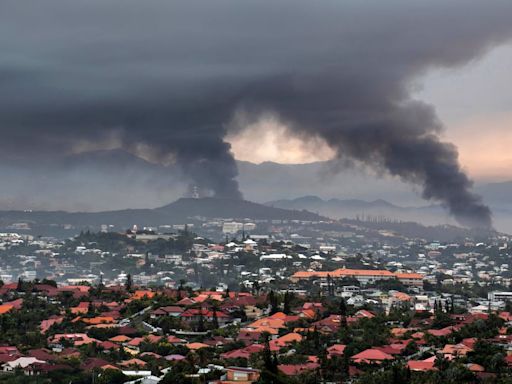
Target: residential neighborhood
{"type": "Point", "coordinates": [255, 309]}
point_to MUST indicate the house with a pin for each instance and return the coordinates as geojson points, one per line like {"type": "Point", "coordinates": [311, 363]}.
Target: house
{"type": "Point", "coordinates": [441, 332]}
{"type": "Point", "coordinates": [4, 308]}
{"type": "Point", "coordinates": [42, 354]}
{"type": "Point", "coordinates": [267, 322]}
{"type": "Point", "coordinates": [371, 356]}
{"type": "Point", "coordinates": [297, 369]}
{"type": "Point", "coordinates": [108, 345]}
{"type": "Point", "coordinates": [248, 336]}
{"type": "Point", "coordinates": [238, 375]}
{"type": "Point", "coordinates": [363, 313]}
{"type": "Point", "coordinates": [120, 339]}
{"type": "Point", "coordinates": [330, 324]}
{"type": "Point", "coordinates": [21, 362]}
{"type": "Point", "coordinates": [452, 351]}
{"type": "Point", "coordinates": [243, 353]}
{"type": "Point", "coordinates": [98, 320]}
{"type": "Point", "coordinates": [252, 312]}
{"type": "Point", "coordinates": [196, 346]}
{"type": "Point", "coordinates": [186, 301]}
{"type": "Point", "coordinates": [175, 340]}
{"type": "Point", "coordinates": [76, 338]}
{"type": "Point", "coordinates": [473, 367]}
{"type": "Point", "coordinates": [81, 308]}
{"type": "Point", "coordinates": [508, 360]}
{"type": "Point", "coordinates": [143, 294]}
{"type": "Point", "coordinates": [285, 340]}
{"type": "Point", "coordinates": [9, 350]}
{"type": "Point", "coordinates": [308, 314]}
{"type": "Point", "coordinates": [172, 310]}
{"type": "Point", "coordinates": [145, 380]}
{"type": "Point", "coordinates": [153, 339]}
{"type": "Point", "coordinates": [133, 363]}
{"type": "Point", "coordinates": [174, 357]}
{"type": "Point", "coordinates": [16, 304]}
{"type": "Point", "coordinates": [410, 279]}
{"type": "Point", "coordinates": [47, 323]}
{"type": "Point", "coordinates": [335, 350]}
{"type": "Point", "coordinates": [421, 365]}
{"type": "Point", "coordinates": [194, 315]}
{"type": "Point", "coordinates": [286, 318]}
{"type": "Point", "coordinates": [364, 276]}
{"type": "Point", "coordinates": [93, 363]}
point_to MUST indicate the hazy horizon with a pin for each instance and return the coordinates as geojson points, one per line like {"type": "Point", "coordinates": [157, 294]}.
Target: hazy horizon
{"type": "Point", "coordinates": [198, 86]}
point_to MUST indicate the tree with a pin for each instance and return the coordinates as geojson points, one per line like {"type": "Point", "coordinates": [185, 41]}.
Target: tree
{"type": "Point", "coordinates": [20, 287]}
{"type": "Point", "coordinates": [273, 302]}
{"type": "Point", "coordinates": [111, 376]}
{"type": "Point", "coordinates": [269, 360]}
{"type": "Point", "coordinates": [447, 306]}
{"type": "Point", "coordinates": [330, 288]}
{"type": "Point", "coordinates": [488, 355]}
{"type": "Point", "coordinates": [287, 302]}
{"type": "Point", "coordinates": [215, 308]}
{"type": "Point", "coordinates": [410, 348]}
{"type": "Point", "coordinates": [53, 283]}
{"type": "Point", "coordinates": [90, 309]}
{"type": "Point", "coordinates": [177, 375]}
{"type": "Point", "coordinates": [200, 322]}
{"type": "Point", "coordinates": [343, 307]}
{"type": "Point", "coordinates": [129, 282]}
{"type": "Point", "coordinates": [256, 288]}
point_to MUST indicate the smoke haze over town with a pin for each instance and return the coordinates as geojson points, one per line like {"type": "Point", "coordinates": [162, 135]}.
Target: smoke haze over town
{"type": "Point", "coordinates": [198, 85]}
{"type": "Point", "coordinates": [255, 192]}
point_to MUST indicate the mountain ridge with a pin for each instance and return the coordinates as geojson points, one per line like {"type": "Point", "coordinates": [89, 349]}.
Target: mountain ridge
{"type": "Point", "coordinates": [177, 212]}
{"type": "Point", "coordinates": [354, 208]}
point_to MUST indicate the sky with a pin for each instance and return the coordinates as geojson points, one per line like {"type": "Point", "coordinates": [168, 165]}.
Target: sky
{"type": "Point", "coordinates": [475, 104]}
{"type": "Point", "coordinates": [473, 101]}
{"type": "Point", "coordinates": [409, 90]}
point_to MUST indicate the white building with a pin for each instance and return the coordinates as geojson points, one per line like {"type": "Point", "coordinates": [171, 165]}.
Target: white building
{"type": "Point", "coordinates": [232, 227]}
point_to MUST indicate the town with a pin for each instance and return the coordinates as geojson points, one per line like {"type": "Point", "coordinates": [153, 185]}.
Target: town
{"type": "Point", "coordinates": [307, 302]}
{"type": "Point", "coordinates": [255, 192]}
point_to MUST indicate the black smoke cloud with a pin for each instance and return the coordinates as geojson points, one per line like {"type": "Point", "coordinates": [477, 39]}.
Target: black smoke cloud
{"type": "Point", "coordinates": [164, 79]}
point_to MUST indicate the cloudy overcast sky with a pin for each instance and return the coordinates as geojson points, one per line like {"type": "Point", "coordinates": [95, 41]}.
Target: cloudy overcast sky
{"type": "Point", "coordinates": [474, 102]}
{"type": "Point", "coordinates": [394, 87]}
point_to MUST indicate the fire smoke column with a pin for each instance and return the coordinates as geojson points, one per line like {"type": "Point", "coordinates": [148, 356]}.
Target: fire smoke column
{"type": "Point", "coordinates": [167, 90]}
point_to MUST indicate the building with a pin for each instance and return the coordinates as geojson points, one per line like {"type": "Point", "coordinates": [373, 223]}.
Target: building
{"type": "Point", "coordinates": [232, 227]}
{"type": "Point", "coordinates": [364, 276]}
{"type": "Point", "coordinates": [499, 296]}
{"type": "Point", "coordinates": [238, 375]}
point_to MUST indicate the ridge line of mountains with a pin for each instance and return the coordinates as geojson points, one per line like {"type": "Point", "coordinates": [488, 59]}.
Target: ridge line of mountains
{"type": "Point", "coordinates": [189, 210]}
{"type": "Point", "coordinates": [140, 184]}
{"type": "Point", "coordinates": [177, 212]}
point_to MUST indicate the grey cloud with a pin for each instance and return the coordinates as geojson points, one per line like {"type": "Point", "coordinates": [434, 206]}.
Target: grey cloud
{"type": "Point", "coordinates": [170, 75]}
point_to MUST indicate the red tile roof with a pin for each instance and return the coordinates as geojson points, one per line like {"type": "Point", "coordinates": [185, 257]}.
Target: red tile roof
{"type": "Point", "coordinates": [297, 369]}
{"type": "Point", "coordinates": [371, 355]}
{"type": "Point", "coordinates": [421, 366]}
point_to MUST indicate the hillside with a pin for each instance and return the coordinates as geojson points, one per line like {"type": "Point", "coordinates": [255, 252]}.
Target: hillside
{"type": "Point", "coordinates": [353, 208]}
{"type": "Point", "coordinates": [180, 211]}
{"type": "Point", "coordinates": [228, 208]}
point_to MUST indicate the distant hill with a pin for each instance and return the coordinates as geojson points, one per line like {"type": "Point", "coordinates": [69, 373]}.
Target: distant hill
{"type": "Point", "coordinates": [114, 179]}
{"type": "Point", "coordinates": [105, 181]}
{"type": "Point", "coordinates": [354, 208]}
{"type": "Point", "coordinates": [229, 208]}
{"type": "Point", "coordinates": [188, 210]}
{"type": "Point", "coordinates": [180, 211]}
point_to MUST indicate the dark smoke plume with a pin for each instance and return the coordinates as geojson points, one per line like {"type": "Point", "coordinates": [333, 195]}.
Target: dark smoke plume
{"type": "Point", "coordinates": [164, 79]}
